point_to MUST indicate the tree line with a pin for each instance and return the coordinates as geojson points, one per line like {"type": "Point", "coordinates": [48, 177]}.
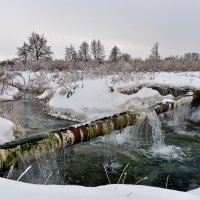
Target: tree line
{"type": "Point", "coordinates": [37, 49]}
{"type": "Point", "coordinates": [35, 52]}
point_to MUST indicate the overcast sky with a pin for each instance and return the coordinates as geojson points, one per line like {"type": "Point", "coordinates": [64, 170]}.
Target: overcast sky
{"type": "Point", "coordinates": [132, 25]}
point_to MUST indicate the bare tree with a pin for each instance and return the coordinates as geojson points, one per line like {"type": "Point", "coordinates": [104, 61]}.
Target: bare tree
{"type": "Point", "coordinates": [126, 57]}
{"type": "Point", "coordinates": [155, 52]}
{"type": "Point", "coordinates": [38, 49]}
{"type": "Point", "coordinates": [23, 53]}
{"type": "Point", "coordinates": [97, 50]}
{"type": "Point", "coordinates": [70, 53]}
{"type": "Point", "coordinates": [192, 56]}
{"type": "Point", "coordinates": [115, 54]}
{"type": "Point", "coordinates": [4, 82]}
{"type": "Point", "coordinates": [84, 51]}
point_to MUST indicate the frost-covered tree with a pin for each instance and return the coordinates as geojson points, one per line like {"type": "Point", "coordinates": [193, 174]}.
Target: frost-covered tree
{"type": "Point", "coordinates": [97, 50]}
{"type": "Point", "coordinates": [35, 49]}
{"type": "Point", "coordinates": [126, 57]}
{"type": "Point", "coordinates": [83, 52]}
{"type": "Point", "coordinates": [38, 48]}
{"type": "Point", "coordinates": [192, 56]}
{"type": "Point", "coordinates": [155, 52]}
{"type": "Point", "coordinates": [70, 53]}
{"type": "Point", "coordinates": [115, 54]}
{"type": "Point", "coordinates": [23, 53]}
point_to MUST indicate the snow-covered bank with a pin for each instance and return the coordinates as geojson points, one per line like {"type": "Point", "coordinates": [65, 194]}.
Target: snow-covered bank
{"type": "Point", "coordinates": [92, 98]}
{"type": "Point", "coordinates": [44, 95]}
{"type": "Point", "coordinates": [95, 100]}
{"type": "Point", "coordinates": [7, 129]}
{"type": "Point", "coordinates": [9, 93]}
{"type": "Point", "coordinates": [18, 190]}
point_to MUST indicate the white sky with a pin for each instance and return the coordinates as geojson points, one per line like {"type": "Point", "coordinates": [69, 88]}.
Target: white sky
{"type": "Point", "coordinates": [132, 25]}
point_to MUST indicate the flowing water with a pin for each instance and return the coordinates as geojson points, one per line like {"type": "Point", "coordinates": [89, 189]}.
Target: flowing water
{"type": "Point", "coordinates": [30, 115]}
{"type": "Point", "coordinates": [163, 149]}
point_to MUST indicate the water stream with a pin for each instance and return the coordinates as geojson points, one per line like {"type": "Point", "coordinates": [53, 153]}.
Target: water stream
{"type": "Point", "coordinates": [156, 149]}
{"type": "Point", "coordinates": [30, 115]}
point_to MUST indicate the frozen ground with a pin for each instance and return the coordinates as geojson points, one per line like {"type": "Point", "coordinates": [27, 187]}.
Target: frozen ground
{"type": "Point", "coordinates": [6, 130]}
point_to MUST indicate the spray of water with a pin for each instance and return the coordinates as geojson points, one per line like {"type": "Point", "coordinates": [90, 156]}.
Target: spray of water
{"type": "Point", "coordinates": [159, 148]}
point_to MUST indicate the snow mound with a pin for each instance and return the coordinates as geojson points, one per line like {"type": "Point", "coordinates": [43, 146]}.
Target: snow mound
{"type": "Point", "coordinates": [9, 94]}
{"type": "Point", "coordinates": [146, 93]}
{"type": "Point", "coordinates": [6, 98]}
{"type": "Point", "coordinates": [6, 130]}
{"type": "Point", "coordinates": [196, 191]}
{"type": "Point", "coordinates": [189, 93]}
{"type": "Point", "coordinates": [164, 101]}
{"type": "Point", "coordinates": [23, 191]}
{"type": "Point", "coordinates": [44, 95]}
{"type": "Point", "coordinates": [95, 100]}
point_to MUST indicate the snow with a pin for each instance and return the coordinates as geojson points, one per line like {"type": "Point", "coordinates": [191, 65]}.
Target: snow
{"type": "Point", "coordinates": [189, 93]}
{"type": "Point", "coordinates": [6, 130]}
{"type": "Point", "coordinates": [6, 98]}
{"type": "Point", "coordinates": [196, 191]}
{"type": "Point", "coordinates": [9, 94]}
{"type": "Point", "coordinates": [44, 95]}
{"type": "Point", "coordinates": [18, 190]}
{"type": "Point", "coordinates": [172, 79]}
{"type": "Point", "coordinates": [164, 101]}
{"type": "Point", "coordinates": [95, 100]}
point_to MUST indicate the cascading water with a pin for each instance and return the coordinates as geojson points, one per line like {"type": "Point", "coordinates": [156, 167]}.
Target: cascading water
{"type": "Point", "coordinates": [177, 119]}
{"type": "Point", "coordinates": [157, 134]}
{"type": "Point", "coordinates": [159, 148]}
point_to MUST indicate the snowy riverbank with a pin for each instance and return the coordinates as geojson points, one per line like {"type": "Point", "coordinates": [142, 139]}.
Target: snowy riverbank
{"type": "Point", "coordinates": [90, 99]}
{"type": "Point", "coordinates": [7, 129]}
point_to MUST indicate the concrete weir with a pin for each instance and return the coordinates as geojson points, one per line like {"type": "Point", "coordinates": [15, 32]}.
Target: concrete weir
{"type": "Point", "coordinates": [16, 152]}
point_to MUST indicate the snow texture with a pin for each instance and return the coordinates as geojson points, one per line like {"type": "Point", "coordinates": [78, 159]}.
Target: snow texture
{"type": "Point", "coordinates": [6, 130]}
{"type": "Point", "coordinates": [93, 98]}
{"type": "Point", "coordinates": [18, 190]}
{"type": "Point", "coordinates": [44, 95]}
{"type": "Point", "coordinates": [9, 94]}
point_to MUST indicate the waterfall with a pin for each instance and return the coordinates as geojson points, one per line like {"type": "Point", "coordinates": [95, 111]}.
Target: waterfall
{"type": "Point", "coordinates": [159, 148]}
{"type": "Point", "coordinates": [157, 134]}
{"type": "Point", "coordinates": [176, 119]}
